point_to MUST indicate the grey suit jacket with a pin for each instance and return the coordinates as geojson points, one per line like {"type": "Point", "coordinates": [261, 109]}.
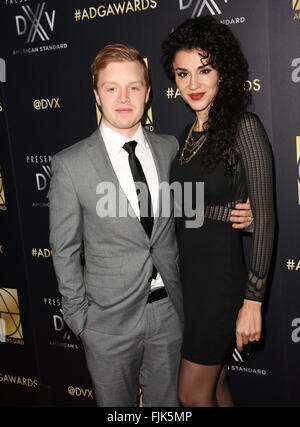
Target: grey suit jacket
{"type": "Point", "coordinates": [109, 293]}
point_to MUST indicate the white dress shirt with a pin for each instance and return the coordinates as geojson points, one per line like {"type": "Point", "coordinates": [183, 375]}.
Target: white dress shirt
{"type": "Point", "coordinates": [119, 159]}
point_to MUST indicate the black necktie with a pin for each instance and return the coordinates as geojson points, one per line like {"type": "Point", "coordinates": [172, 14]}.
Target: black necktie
{"type": "Point", "coordinates": [146, 215]}
{"type": "Point", "coordinates": [144, 197]}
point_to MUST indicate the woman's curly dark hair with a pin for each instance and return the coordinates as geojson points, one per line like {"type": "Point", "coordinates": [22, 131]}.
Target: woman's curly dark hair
{"type": "Point", "coordinates": [225, 56]}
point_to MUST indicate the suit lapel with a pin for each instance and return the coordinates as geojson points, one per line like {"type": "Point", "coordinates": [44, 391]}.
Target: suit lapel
{"type": "Point", "coordinates": [158, 156]}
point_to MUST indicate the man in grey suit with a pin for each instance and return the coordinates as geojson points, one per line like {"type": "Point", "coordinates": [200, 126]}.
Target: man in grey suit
{"type": "Point", "coordinates": [126, 303]}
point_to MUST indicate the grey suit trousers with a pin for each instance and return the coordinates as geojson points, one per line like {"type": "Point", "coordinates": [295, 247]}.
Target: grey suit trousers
{"type": "Point", "coordinates": [150, 353]}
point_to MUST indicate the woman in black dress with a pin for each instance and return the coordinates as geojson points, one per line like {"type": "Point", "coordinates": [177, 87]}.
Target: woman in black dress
{"type": "Point", "coordinates": [227, 149]}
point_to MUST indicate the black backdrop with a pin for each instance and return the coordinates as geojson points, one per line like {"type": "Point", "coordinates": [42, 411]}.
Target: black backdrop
{"type": "Point", "coordinates": [47, 104]}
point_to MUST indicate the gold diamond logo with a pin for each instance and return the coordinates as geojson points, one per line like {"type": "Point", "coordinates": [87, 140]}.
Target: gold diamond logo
{"type": "Point", "coordinates": [10, 320]}
{"type": "Point", "coordinates": [296, 4]}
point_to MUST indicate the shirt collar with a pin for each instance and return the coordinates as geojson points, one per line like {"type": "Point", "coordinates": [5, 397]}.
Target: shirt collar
{"type": "Point", "coordinates": [114, 141]}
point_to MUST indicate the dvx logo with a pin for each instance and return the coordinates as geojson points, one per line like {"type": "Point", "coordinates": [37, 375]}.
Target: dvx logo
{"type": "Point", "coordinates": [200, 5]}
{"type": "Point", "coordinates": [44, 104]}
{"type": "Point", "coordinates": [41, 178]}
{"type": "Point", "coordinates": [33, 24]}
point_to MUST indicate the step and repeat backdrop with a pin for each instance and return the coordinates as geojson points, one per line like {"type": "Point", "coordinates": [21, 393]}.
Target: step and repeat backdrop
{"type": "Point", "coordinates": [47, 104]}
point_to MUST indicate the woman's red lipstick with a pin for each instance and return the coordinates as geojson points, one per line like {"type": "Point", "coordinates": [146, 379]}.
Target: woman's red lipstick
{"type": "Point", "coordinates": [196, 96]}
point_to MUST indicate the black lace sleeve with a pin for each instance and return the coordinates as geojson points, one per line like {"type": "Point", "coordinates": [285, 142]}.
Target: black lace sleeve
{"type": "Point", "coordinates": [254, 147]}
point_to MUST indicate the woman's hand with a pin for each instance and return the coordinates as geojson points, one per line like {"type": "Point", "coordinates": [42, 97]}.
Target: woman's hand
{"type": "Point", "coordinates": [248, 323]}
{"type": "Point", "coordinates": [242, 215]}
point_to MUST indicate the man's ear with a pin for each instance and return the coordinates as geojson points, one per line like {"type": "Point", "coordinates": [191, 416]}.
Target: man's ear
{"type": "Point", "coordinates": [97, 98]}
{"type": "Point", "coordinates": [147, 94]}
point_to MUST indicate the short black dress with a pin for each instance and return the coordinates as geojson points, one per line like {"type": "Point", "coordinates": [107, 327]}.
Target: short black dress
{"type": "Point", "coordinates": [213, 273]}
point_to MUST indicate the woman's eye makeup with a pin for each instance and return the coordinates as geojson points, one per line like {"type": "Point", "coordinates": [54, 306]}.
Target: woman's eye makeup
{"type": "Point", "coordinates": [201, 71]}
{"type": "Point", "coordinates": [182, 73]}
{"type": "Point", "coordinates": [205, 71]}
